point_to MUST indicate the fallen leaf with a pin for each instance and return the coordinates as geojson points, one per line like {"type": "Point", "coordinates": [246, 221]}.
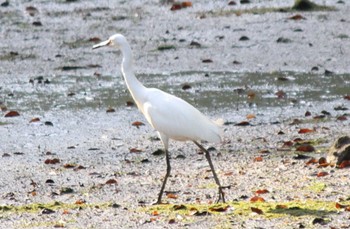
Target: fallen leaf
{"type": "Point", "coordinates": [110, 110]}
{"type": "Point", "coordinates": [228, 174]}
{"type": "Point", "coordinates": [305, 130]}
{"type": "Point", "coordinates": [34, 120]}
{"type": "Point", "coordinates": [243, 123]}
{"type": "Point", "coordinates": [250, 116]}
{"type": "Point", "coordinates": [69, 166]}
{"type": "Point", "coordinates": [52, 161]}
{"type": "Point", "coordinates": [339, 206]}
{"type": "Point", "coordinates": [219, 208]}
{"type": "Point", "coordinates": [344, 164]}
{"type": "Point", "coordinates": [171, 196]}
{"type": "Point", "coordinates": [66, 212]}
{"type": "Point", "coordinates": [281, 206]}
{"type": "Point", "coordinates": [258, 159]}
{"type": "Point", "coordinates": [322, 174]}
{"type": "Point", "coordinates": [95, 39]}
{"type": "Point", "coordinates": [347, 97]}
{"type": "Point", "coordinates": [261, 191]}
{"type": "Point", "coordinates": [179, 207]}
{"type": "Point", "coordinates": [342, 118]}
{"type": "Point", "coordinates": [186, 4]}
{"type": "Point", "coordinates": [80, 201]}
{"type": "Point", "coordinates": [305, 148]}
{"type": "Point", "coordinates": [135, 150]}
{"type": "Point", "coordinates": [111, 181]}
{"type": "Point", "coordinates": [257, 199]}
{"type": "Point", "coordinates": [11, 114]}
{"type": "Point", "coordinates": [297, 17]}
{"type": "Point", "coordinates": [257, 210]}
{"type": "Point", "coordinates": [155, 213]}
{"type": "Point", "coordinates": [312, 161]}
{"type": "Point", "coordinates": [138, 124]}
{"type": "Point", "coordinates": [287, 144]}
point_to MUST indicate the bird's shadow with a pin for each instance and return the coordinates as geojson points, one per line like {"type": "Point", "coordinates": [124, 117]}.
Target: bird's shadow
{"type": "Point", "coordinates": [297, 211]}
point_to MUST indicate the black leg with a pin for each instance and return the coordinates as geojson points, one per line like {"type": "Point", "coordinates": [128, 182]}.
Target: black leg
{"type": "Point", "coordinates": [168, 169]}
{"type": "Point", "coordinates": [207, 155]}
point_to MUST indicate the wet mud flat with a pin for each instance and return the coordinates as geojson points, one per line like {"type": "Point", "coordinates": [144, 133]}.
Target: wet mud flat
{"type": "Point", "coordinates": [67, 162]}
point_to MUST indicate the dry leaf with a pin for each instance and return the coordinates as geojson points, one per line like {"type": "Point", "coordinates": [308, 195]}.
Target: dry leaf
{"type": "Point", "coordinates": [339, 206]}
{"type": "Point", "coordinates": [65, 212]}
{"type": "Point", "coordinates": [11, 114]}
{"type": "Point", "coordinates": [257, 210]}
{"type": "Point", "coordinates": [344, 164]}
{"type": "Point", "coordinates": [135, 150]}
{"type": "Point", "coordinates": [219, 208]}
{"type": "Point", "coordinates": [243, 123]}
{"type": "Point", "coordinates": [69, 166]}
{"type": "Point", "coordinates": [305, 130]}
{"type": "Point", "coordinates": [322, 174]}
{"type": "Point", "coordinates": [138, 124]}
{"type": "Point", "coordinates": [250, 116]}
{"type": "Point", "coordinates": [155, 213]}
{"type": "Point", "coordinates": [258, 159]}
{"type": "Point", "coordinates": [110, 110]}
{"type": "Point", "coordinates": [52, 161]}
{"type": "Point", "coordinates": [171, 196]}
{"type": "Point", "coordinates": [111, 181]}
{"type": "Point", "coordinates": [257, 199]}
{"type": "Point", "coordinates": [34, 120]}
{"type": "Point", "coordinates": [80, 201]}
{"type": "Point", "coordinates": [281, 206]}
{"type": "Point", "coordinates": [287, 144]}
{"type": "Point", "coordinates": [179, 207]}
{"type": "Point", "coordinates": [261, 191]}
{"type": "Point", "coordinates": [312, 161]}
{"type": "Point", "coordinates": [95, 39]}
{"type": "Point", "coordinates": [297, 17]}
{"type": "Point", "coordinates": [305, 148]}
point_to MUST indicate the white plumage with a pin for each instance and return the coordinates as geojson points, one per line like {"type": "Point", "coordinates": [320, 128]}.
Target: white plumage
{"type": "Point", "coordinates": [170, 116]}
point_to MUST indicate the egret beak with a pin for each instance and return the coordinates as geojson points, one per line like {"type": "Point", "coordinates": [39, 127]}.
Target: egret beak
{"type": "Point", "coordinates": [103, 43]}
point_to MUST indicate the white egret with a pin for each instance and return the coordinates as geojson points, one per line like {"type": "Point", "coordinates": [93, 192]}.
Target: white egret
{"type": "Point", "coordinates": [172, 117]}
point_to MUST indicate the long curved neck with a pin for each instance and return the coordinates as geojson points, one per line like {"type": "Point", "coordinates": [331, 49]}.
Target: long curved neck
{"type": "Point", "coordinates": [134, 85]}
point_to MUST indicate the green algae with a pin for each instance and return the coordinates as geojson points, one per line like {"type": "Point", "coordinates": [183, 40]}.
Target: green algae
{"type": "Point", "coordinates": [295, 208]}
{"type": "Point", "coordinates": [36, 207]}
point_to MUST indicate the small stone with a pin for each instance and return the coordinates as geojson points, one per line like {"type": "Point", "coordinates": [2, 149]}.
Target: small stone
{"type": "Point", "coordinates": [339, 151]}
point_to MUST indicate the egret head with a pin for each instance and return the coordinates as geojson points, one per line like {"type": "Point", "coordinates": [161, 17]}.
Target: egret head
{"type": "Point", "coordinates": [116, 40]}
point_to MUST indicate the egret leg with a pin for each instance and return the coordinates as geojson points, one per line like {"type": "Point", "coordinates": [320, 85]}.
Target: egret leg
{"type": "Point", "coordinates": [207, 156]}
{"type": "Point", "coordinates": [168, 169]}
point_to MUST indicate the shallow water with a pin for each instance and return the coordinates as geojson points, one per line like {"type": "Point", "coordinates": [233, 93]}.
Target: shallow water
{"type": "Point", "coordinates": [208, 90]}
